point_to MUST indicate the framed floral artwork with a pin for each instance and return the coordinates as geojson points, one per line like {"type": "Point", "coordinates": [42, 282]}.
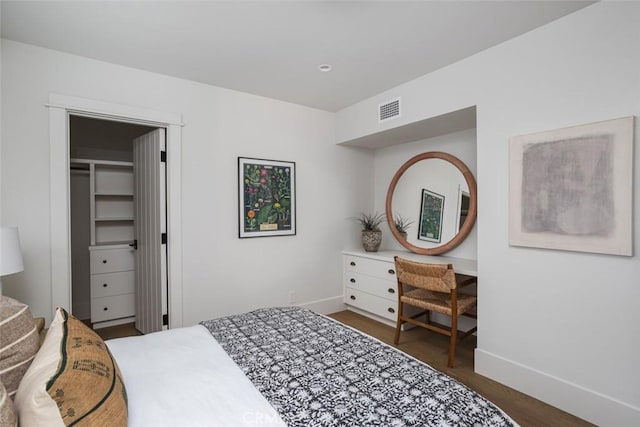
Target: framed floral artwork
{"type": "Point", "coordinates": [267, 197]}
{"type": "Point", "coordinates": [431, 210]}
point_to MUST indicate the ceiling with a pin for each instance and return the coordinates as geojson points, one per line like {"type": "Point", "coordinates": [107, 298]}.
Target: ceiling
{"type": "Point", "coordinates": [273, 48]}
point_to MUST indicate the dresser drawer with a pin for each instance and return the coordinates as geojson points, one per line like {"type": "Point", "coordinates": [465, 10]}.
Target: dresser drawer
{"type": "Point", "coordinates": [111, 260]}
{"type": "Point", "coordinates": [383, 288]}
{"type": "Point", "coordinates": [108, 284]}
{"type": "Point", "coordinates": [370, 267]}
{"type": "Point", "coordinates": [371, 303]}
{"type": "Point", "coordinates": [113, 307]}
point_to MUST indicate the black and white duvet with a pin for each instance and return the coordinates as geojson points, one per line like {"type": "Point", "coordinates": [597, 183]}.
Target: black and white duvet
{"type": "Point", "coordinates": [317, 372]}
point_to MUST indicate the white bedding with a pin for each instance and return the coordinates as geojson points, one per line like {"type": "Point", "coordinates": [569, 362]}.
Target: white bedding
{"type": "Point", "coordinates": [182, 377]}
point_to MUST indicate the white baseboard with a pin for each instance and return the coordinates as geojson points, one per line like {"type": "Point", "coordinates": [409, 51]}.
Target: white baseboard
{"type": "Point", "coordinates": [325, 306]}
{"type": "Point", "coordinates": [579, 401]}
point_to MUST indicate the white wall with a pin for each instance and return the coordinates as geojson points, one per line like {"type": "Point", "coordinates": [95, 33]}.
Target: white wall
{"type": "Point", "coordinates": [221, 273]}
{"type": "Point", "coordinates": [561, 326]}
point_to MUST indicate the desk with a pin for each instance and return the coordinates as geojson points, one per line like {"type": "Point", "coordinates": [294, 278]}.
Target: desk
{"type": "Point", "coordinates": [370, 283]}
{"type": "Point", "coordinates": [460, 265]}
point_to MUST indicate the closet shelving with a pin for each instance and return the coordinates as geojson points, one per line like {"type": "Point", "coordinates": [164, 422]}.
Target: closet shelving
{"type": "Point", "coordinates": [112, 263]}
{"type": "Point", "coordinates": [111, 200]}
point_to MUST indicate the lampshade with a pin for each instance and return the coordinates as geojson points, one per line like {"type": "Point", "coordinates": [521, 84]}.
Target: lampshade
{"type": "Point", "coordinates": [10, 255]}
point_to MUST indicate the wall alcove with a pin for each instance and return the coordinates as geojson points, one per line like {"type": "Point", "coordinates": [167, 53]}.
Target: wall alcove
{"type": "Point", "coordinates": [452, 133]}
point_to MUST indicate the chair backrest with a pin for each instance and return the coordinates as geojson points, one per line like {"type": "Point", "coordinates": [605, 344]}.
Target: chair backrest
{"type": "Point", "coordinates": [433, 277]}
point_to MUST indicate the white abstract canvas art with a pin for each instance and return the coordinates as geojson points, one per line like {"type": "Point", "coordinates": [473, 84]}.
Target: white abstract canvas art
{"type": "Point", "coordinates": [571, 188]}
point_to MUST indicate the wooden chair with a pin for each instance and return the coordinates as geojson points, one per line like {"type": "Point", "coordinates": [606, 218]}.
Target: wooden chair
{"type": "Point", "coordinates": [433, 287]}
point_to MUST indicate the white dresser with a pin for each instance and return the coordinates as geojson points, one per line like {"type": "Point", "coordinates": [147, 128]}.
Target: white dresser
{"type": "Point", "coordinates": [370, 285]}
{"type": "Point", "coordinates": [370, 282]}
{"type": "Point", "coordinates": [112, 279]}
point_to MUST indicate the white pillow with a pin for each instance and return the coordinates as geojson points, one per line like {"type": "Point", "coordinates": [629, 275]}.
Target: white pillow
{"type": "Point", "coordinates": [33, 404]}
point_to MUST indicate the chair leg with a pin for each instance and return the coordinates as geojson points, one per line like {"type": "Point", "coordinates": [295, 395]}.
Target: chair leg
{"type": "Point", "coordinates": [453, 340]}
{"type": "Point", "coordinates": [398, 323]}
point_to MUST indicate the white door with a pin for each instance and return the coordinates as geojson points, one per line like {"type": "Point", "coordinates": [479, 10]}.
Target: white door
{"type": "Point", "coordinates": [149, 174]}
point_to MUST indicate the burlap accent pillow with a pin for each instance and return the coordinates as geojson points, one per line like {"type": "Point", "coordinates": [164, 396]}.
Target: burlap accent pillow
{"type": "Point", "coordinates": [7, 412]}
{"type": "Point", "coordinates": [73, 380]}
{"type": "Point", "coordinates": [19, 342]}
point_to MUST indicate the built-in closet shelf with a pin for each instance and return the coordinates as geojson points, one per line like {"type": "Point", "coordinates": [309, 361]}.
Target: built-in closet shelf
{"type": "Point", "coordinates": [76, 160]}
{"type": "Point", "coordinates": [112, 245]}
{"type": "Point", "coordinates": [112, 263]}
{"type": "Point", "coordinates": [111, 200]}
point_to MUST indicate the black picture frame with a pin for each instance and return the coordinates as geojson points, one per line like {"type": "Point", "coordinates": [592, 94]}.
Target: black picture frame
{"type": "Point", "coordinates": [266, 198]}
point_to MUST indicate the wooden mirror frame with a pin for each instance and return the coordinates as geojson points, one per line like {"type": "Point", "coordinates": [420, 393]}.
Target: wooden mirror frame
{"type": "Point", "coordinates": [473, 203]}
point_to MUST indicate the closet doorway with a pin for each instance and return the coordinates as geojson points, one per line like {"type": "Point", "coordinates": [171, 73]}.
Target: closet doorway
{"type": "Point", "coordinates": [118, 223]}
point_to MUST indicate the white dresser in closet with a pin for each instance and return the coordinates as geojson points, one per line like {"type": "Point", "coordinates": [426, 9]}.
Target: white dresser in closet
{"type": "Point", "coordinates": [112, 282]}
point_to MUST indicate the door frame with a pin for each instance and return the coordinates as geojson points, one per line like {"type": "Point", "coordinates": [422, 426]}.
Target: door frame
{"type": "Point", "coordinates": [60, 108]}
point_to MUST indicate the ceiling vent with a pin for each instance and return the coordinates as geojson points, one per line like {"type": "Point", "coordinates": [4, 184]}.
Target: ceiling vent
{"type": "Point", "coordinates": [389, 110]}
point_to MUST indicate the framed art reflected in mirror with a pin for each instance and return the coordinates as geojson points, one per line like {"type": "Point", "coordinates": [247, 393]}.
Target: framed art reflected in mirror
{"type": "Point", "coordinates": [431, 212]}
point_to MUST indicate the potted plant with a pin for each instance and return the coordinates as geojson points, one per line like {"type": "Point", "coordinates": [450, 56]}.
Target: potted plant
{"type": "Point", "coordinates": [402, 225]}
{"type": "Point", "coordinates": [371, 233]}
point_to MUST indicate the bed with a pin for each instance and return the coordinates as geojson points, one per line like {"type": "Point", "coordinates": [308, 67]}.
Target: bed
{"type": "Point", "coordinates": [275, 366]}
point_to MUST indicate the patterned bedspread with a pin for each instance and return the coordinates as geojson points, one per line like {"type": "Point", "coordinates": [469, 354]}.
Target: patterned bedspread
{"type": "Point", "coordinates": [316, 372]}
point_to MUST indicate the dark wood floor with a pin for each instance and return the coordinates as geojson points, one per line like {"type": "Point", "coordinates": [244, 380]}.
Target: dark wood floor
{"type": "Point", "coordinates": [433, 348]}
{"type": "Point", "coordinates": [120, 331]}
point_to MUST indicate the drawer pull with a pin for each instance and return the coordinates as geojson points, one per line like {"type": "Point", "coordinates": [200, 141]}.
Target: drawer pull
{"type": "Point", "coordinates": [104, 261]}
{"type": "Point", "coordinates": [391, 291]}
{"type": "Point", "coordinates": [391, 271]}
{"type": "Point", "coordinates": [391, 310]}
{"type": "Point", "coordinates": [353, 297]}
{"type": "Point", "coordinates": [106, 308]}
{"type": "Point", "coordinates": [104, 285]}
{"type": "Point", "coordinates": [352, 280]}
{"type": "Point", "coordinates": [352, 263]}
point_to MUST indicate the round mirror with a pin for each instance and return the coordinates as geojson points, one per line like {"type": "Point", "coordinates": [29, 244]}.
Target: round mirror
{"type": "Point", "coordinates": [436, 193]}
